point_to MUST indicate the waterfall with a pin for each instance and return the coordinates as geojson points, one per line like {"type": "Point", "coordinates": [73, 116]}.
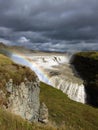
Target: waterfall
{"type": "Point", "coordinates": [74, 91]}
{"type": "Point", "coordinates": [56, 71]}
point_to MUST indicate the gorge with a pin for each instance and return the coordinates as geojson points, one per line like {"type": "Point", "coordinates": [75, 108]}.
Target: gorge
{"type": "Point", "coordinates": [54, 69]}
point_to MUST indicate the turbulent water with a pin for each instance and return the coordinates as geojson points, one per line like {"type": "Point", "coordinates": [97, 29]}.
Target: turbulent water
{"type": "Point", "coordinates": [54, 69]}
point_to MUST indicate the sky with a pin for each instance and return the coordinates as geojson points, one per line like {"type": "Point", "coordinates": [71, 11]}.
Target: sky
{"type": "Point", "coordinates": [50, 25]}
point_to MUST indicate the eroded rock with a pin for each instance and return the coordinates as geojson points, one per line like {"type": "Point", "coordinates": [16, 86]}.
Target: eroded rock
{"type": "Point", "coordinates": [43, 113]}
{"type": "Point", "coordinates": [24, 99]}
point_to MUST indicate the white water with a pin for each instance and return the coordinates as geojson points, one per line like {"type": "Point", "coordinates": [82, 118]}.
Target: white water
{"type": "Point", "coordinates": [74, 91]}
{"type": "Point", "coordinates": [56, 71]}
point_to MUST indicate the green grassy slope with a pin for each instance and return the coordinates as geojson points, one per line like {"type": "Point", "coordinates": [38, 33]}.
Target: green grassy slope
{"type": "Point", "coordinates": [90, 54]}
{"type": "Point", "coordinates": [9, 121]}
{"type": "Point", "coordinates": [62, 110]}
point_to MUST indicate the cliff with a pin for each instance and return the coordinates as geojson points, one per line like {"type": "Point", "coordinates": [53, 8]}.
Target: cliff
{"type": "Point", "coordinates": [19, 91]}
{"type": "Point", "coordinates": [86, 64]}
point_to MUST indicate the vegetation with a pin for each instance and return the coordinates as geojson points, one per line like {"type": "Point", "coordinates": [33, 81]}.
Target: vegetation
{"type": "Point", "coordinates": [67, 113]}
{"type": "Point", "coordinates": [9, 121]}
{"type": "Point", "coordinates": [91, 55]}
{"type": "Point", "coordinates": [10, 70]}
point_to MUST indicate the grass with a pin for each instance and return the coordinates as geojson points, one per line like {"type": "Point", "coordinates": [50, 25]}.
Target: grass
{"type": "Point", "coordinates": [65, 112]}
{"type": "Point", "coordinates": [9, 121]}
{"type": "Point", "coordinates": [18, 73]}
{"type": "Point", "coordinates": [90, 54]}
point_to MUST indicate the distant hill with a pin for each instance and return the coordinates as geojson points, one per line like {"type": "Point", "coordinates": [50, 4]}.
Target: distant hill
{"type": "Point", "coordinates": [24, 49]}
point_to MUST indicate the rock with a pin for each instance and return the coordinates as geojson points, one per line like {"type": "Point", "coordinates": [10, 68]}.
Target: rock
{"type": "Point", "coordinates": [9, 86]}
{"type": "Point", "coordinates": [43, 113]}
{"type": "Point", "coordinates": [24, 99]}
{"type": "Point", "coordinates": [2, 97]}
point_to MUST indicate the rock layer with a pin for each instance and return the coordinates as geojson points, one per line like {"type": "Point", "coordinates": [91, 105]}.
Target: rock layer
{"type": "Point", "coordinates": [43, 113]}
{"type": "Point", "coordinates": [24, 99]}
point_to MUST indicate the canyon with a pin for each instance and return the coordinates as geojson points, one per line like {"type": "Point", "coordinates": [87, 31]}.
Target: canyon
{"type": "Point", "coordinates": [54, 69]}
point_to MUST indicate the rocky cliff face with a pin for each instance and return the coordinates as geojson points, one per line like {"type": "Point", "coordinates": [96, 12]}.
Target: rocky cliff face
{"type": "Point", "coordinates": [19, 91]}
{"type": "Point", "coordinates": [43, 113]}
{"type": "Point", "coordinates": [86, 64]}
{"type": "Point", "coordinates": [23, 99]}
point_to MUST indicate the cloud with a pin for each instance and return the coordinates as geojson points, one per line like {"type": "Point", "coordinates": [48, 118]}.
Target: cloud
{"type": "Point", "coordinates": [5, 31]}
{"type": "Point", "coordinates": [23, 40]}
{"type": "Point", "coordinates": [6, 42]}
{"type": "Point", "coordinates": [50, 22]}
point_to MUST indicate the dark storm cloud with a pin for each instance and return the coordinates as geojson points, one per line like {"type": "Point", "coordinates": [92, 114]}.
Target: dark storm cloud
{"type": "Point", "coordinates": [50, 23]}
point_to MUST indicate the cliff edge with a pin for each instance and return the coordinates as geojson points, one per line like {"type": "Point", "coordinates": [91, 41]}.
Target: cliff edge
{"type": "Point", "coordinates": [86, 64]}
{"type": "Point", "coordinates": [19, 91]}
